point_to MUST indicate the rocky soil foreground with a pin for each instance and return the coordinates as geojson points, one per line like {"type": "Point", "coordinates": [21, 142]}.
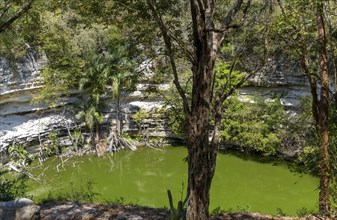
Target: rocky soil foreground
{"type": "Point", "coordinates": [75, 211]}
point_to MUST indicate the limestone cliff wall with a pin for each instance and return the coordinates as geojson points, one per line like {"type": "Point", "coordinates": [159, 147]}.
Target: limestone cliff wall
{"type": "Point", "coordinates": [23, 121]}
{"type": "Point", "coordinates": [26, 122]}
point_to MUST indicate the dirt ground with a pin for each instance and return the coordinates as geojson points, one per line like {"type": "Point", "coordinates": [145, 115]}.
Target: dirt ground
{"type": "Point", "coordinates": [86, 211]}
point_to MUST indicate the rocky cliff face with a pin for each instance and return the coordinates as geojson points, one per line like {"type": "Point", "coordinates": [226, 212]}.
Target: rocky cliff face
{"type": "Point", "coordinates": [18, 85]}
{"type": "Point", "coordinates": [279, 80]}
{"type": "Point", "coordinates": [25, 122]}
{"type": "Point", "coordinates": [22, 121]}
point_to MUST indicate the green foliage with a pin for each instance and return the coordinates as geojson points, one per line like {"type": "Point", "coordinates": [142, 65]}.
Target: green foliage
{"type": "Point", "coordinates": [52, 146]}
{"type": "Point", "coordinates": [304, 212]}
{"type": "Point", "coordinates": [238, 208]}
{"type": "Point", "coordinates": [176, 119]}
{"type": "Point", "coordinates": [173, 107]}
{"type": "Point", "coordinates": [333, 199]}
{"type": "Point", "coordinates": [217, 211]}
{"type": "Point", "coordinates": [82, 193]}
{"type": "Point", "coordinates": [11, 189]}
{"type": "Point", "coordinates": [19, 154]}
{"type": "Point", "coordinates": [21, 36]}
{"type": "Point", "coordinates": [90, 114]}
{"type": "Point", "coordinates": [77, 139]}
{"type": "Point", "coordinates": [140, 116]}
{"type": "Point", "coordinates": [61, 45]}
{"type": "Point", "coordinates": [254, 126]}
{"type": "Point", "coordinates": [143, 131]}
{"type": "Point", "coordinates": [293, 32]}
{"type": "Point", "coordinates": [281, 212]}
{"type": "Point", "coordinates": [245, 208]}
{"type": "Point", "coordinates": [88, 56]}
{"type": "Point", "coordinates": [111, 68]}
{"type": "Point", "coordinates": [179, 212]}
{"type": "Point", "coordinates": [225, 76]}
{"type": "Point", "coordinates": [309, 158]}
{"type": "Point", "coordinates": [127, 136]}
{"type": "Point", "coordinates": [176, 213]}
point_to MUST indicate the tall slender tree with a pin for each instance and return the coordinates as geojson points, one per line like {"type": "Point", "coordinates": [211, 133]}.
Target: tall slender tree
{"type": "Point", "coordinates": [309, 41]}
{"type": "Point", "coordinates": [208, 33]}
{"type": "Point", "coordinates": [323, 109]}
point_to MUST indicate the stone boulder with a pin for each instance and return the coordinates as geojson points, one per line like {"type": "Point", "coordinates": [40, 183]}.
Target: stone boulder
{"type": "Point", "coordinates": [19, 209]}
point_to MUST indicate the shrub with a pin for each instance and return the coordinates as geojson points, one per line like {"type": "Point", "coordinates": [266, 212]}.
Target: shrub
{"type": "Point", "coordinates": [254, 126]}
{"type": "Point", "coordinates": [12, 189]}
{"type": "Point", "coordinates": [82, 193]}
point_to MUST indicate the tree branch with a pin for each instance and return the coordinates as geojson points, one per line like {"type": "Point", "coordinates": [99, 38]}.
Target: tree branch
{"type": "Point", "coordinates": [16, 16]}
{"type": "Point", "coordinates": [168, 44]}
{"type": "Point", "coordinates": [224, 95]}
{"type": "Point", "coordinates": [182, 45]}
{"type": "Point", "coordinates": [228, 19]}
{"type": "Point", "coordinates": [5, 8]}
{"type": "Point", "coordinates": [234, 26]}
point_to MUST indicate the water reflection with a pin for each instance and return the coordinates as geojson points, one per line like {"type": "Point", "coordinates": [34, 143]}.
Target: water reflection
{"type": "Point", "coordinates": [145, 175]}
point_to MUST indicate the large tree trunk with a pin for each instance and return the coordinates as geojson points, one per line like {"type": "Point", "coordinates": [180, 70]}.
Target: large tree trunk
{"type": "Point", "coordinates": [201, 154]}
{"type": "Point", "coordinates": [201, 164]}
{"type": "Point", "coordinates": [324, 206]}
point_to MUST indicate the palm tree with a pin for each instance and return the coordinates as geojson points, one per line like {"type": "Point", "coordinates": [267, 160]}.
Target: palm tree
{"type": "Point", "coordinates": [91, 116]}
{"type": "Point", "coordinates": [111, 68]}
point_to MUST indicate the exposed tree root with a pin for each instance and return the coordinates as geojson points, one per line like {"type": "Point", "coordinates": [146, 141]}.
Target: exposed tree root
{"type": "Point", "coordinates": [116, 142]}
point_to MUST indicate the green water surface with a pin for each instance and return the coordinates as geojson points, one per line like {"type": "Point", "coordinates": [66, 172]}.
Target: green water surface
{"type": "Point", "coordinates": [143, 177]}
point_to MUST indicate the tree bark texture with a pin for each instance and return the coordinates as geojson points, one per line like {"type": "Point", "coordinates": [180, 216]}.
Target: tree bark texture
{"type": "Point", "coordinates": [324, 205]}
{"type": "Point", "coordinates": [201, 154]}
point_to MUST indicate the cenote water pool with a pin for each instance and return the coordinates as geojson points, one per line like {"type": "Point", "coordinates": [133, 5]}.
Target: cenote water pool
{"type": "Point", "coordinates": [143, 177]}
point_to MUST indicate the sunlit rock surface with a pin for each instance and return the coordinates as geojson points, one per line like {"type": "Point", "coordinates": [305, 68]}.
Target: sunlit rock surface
{"type": "Point", "coordinates": [285, 82]}
{"type": "Point", "coordinates": [23, 121]}
{"type": "Point", "coordinates": [23, 209]}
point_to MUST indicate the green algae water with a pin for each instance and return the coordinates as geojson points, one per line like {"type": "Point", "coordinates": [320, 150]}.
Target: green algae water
{"type": "Point", "coordinates": [143, 177]}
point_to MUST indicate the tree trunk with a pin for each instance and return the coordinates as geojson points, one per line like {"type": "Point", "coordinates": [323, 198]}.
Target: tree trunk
{"type": "Point", "coordinates": [324, 206]}
{"type": "Point", "coordinates": [97, 134]}
{"type": "Point", "coordinates": [201, 154]}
